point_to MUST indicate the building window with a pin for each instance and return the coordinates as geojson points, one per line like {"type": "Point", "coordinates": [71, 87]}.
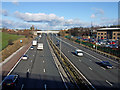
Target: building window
{"type": "Point", "coordinates": [118, 38]}
{"type": "Point", "coordinates": [118, 34]}
{"type": "Point", "coordinates": [101, 33]}
{"type": "Point", "coordinates": [98, 33]}
{"type": "Point", "coordinates": [114, 37]}
{"type": "Point", "coordinates": [104, 36]}
{"type": "Point", "coordinates": [104, 33]}
{"type": "Point", "coordinates": [114, 33]}
{"type": "Point", "coordinates": [98, 36]}
{"type": "Point", "coordinates": [101, 36]}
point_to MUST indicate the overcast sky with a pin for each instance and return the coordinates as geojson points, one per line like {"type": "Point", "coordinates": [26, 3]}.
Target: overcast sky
{"type": "Point", "coordinates": [58, 15]}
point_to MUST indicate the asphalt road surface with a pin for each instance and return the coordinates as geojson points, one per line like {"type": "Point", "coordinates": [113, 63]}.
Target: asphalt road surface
{"type": "Point", "coordinates": [39, 71]}
{"type": "Point", "coordinates": [101, 78]}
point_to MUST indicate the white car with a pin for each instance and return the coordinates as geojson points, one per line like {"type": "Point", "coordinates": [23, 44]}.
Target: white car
{"type": "Point", "coordinates": [24, 57]}
{"type": "Point", "coordinates": [79, 52]}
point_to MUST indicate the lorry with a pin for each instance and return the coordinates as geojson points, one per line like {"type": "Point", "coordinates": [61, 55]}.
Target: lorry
{"type": "Point", "coordinates": [40, 46]}
{"type": "Point", "coordinates": [34, 42]}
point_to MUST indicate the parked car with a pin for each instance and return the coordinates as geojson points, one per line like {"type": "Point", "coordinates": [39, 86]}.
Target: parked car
{"type": "Point", "coordinates": [10, 81]}
{"type": "Point", "coordinates": [79, 52]}
{"type": "Point", "coordinates": [105, 64]}
{"type": "Point", "coordinates": [24, 57]}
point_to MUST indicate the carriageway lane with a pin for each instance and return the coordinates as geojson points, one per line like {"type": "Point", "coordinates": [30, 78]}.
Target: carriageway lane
{"type": "Point", "coordinates": [43, 72]}
{"type": "Point", "coordinates": [97, 75]}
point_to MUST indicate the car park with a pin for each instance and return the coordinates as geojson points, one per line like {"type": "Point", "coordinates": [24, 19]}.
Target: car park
{"type": "Point", "coordinates": [10, 81]}
{"type": "Point", "coordinates": [79, 52]}
{"type": "Point", "coordinates": [24, 57]}
{"type": "Point", "coordinates": [105, 64]}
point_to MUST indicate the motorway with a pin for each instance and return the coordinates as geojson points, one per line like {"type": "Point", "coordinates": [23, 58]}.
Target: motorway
{"type": "Point", "coordinates": [39, 71]}
{"type": "Point", "coordinates": [100, 77]}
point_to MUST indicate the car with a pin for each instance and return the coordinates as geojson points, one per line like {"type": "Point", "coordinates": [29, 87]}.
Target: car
{"type": "Point", "coordinates": [10, 81]}
{"type": "Point", "coordinates": [31, 47]}
{"type": "Point", "coordinates": [24, 57]}
{"type": "Point", "coordinates": [57, 44]}
{"type": "Point", "coordinates": [58, 41]}
{"type": "Point", "coordinates": [79, 52]}
{"type": "Point", "coordinates": [106, 64]}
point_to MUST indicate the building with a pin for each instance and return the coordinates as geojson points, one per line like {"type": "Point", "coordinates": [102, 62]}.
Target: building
{"type": "Point", "coordinates": [108, 33]}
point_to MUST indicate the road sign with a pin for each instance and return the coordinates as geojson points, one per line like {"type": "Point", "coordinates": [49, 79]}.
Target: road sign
{"type": "Point", "coordinates": [20, 41]}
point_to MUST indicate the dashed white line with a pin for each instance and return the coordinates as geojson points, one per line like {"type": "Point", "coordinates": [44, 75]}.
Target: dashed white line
{"type": "Point", "coordinates": [43, 70]}
{"type": "Point", "coordinates": [45, 86]}
{"type": "Point", "coordinates": [43, 61]}
{"type": "Point", "coordinates": [79, 60]}
{"type": "Point", "coordinates": [22, 86]}
{"type": "Point", "coordinates": [109, 83]}
{"type": "Point", "coordinates": [31, 60]}
{"type": "Point", "coordinates": [90, 68]}
{"type": "Point", "coordinates": [33, 55]}
{"type": "Point", "coordinates": [89, 60]}
{"type": "Point", "coordinates": [28, 70]}
{"type": "Point", "coordinates": [68, 51]}
{"type": "Point", "coordinates": [103, 68]}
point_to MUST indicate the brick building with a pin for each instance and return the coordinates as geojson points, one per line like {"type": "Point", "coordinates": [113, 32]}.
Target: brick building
{"type": "Point", "coordinates": [108, 33]}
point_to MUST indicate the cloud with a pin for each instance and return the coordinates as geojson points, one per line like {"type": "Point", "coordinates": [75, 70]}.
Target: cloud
{"type": "Point", "coordinates": [97, 12]}
{"type": "Point", "coordinates": [4, 12]}
{"type": "Point", "coordinates": [38, 17]}
{"type": "Point", "coordinates": [107, 21]}
{"type": "Point", "coordinates": [93, 16]}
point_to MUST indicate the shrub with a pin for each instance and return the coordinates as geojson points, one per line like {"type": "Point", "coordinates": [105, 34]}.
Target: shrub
{"type": "Point", "coordinates": [10, 42]}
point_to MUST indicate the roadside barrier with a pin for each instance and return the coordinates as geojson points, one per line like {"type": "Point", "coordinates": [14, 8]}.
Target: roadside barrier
{"type": "Point", "coordinates": [75, 76]}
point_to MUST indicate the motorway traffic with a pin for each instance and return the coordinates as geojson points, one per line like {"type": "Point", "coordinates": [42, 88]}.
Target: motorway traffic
{"type": "Point", "coordinates": [39, 69]}
{"type": "Point", "coordinates": [100, 77]}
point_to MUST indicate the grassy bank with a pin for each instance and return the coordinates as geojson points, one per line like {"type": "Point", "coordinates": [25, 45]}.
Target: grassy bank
{"type": "Point", "coordinates": [6, 37]}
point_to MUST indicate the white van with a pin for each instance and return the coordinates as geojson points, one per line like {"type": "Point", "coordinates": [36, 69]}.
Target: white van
{"type": "Point", "coordinates": [40, 46]}
{"type": "Point", "coordinates": [79, 52]}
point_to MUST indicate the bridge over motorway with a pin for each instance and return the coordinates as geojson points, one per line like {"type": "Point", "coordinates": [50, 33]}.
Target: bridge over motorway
{"type": "Point", "coordinates": [47, 31]}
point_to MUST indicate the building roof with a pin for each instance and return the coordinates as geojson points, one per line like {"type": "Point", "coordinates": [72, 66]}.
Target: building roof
{"type": "Point", "coordinates": [108, 29]}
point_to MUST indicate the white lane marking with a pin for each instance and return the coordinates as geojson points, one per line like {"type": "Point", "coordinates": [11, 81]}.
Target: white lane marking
{"type": "Point", "coordinates": [22, 86]}
{"type": "Point", "coordinates": [63, 80]}
{"type": "Point", "coordinates": [90, 68]}
{"type": "Point", "coordinates": [89, 60]}
{"type": "Point", "coordinates": [68, 51]}
{"type": "Point", "coordinates": [16, 64]}
{"type": "Point", "coordinates": [109, 83]}
{"type": "Point", "coordinates": [53, 54]}
{"type": "Point", "coordinates": [33, 55]}
{"type": "Point", "coordinates": [31, 60]}
{"type": "Point", "coordinates": [43, 61]}
{"type": "Point", "coordinates": [43, 70]}
{"type": "Point", "coordinates": [86, 52]}
{"type": "Point", "coordinates": [28, 70]}
{"type": "Point", "coordinates": [45, 86]}
{"type": "Point", "coordinates": [103, 68]}
{"type": "Point", "coordinates": [78, 70]}
{"type": "Point", "coordinates": [80, 60]}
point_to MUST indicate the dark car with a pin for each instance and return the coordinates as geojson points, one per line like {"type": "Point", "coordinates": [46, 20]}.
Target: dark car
{"type": "Point", "coordinates": [10, 81]}
{"type": "Point", "coordinates": [58, 41]}
{"type": "Point", "coordinates": [57, 44]}
{"type": "Point", "coordinates": [31, 47]}
{"type": "Point", "coordinates": [105, 64]}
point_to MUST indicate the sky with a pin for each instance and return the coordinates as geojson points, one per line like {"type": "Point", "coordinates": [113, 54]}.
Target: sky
{"type": "Point", "coordinates": [58, 15]}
